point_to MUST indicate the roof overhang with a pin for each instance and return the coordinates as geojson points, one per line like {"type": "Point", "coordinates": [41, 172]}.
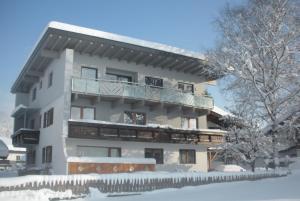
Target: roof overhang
{"type": "Point", "coordinates": [59, 36]}
{"type": "Point", "coordinates": [21, 109]}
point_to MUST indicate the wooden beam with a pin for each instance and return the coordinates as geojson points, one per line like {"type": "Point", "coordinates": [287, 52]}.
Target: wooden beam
{"type": "Point", "coordinates": [147, 61]}
{"type": "Point", "coordinates": [186, 64]}
{"type": "Point", "coordinates": [116, 53]}
{"type": "Point", "coordinates": [192, 68]}
{"type": "Point", "coordinates": [175, 61]}
{"type": "Point", "coordinates": [49, 54]}
{"type": "Point", "coordinates": [102, 52]}
{"type": "Point", "coordinates": [157, 63]}
{"type": "Point", "coordinates": [125, 54]}
{"type": "Point", "coordinates": [178, 64]}
{"type": "Point", "coordinates": [109, 51]}
{"type": "Point", "coordinates": [65, 44]}
{"type": "Point", "coordinates": [77, 45]}
{"type": "Point", "coordinates": [167, 60]}
{"type": "Point", "coordinates": [99, 47]}
{"type": "Point", "coordinates": [86, 47]}
{"type": "Point", "coordinates": [56, 42]}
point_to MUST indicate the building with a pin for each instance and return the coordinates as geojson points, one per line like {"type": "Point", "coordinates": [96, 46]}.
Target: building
{"type": "Point", "coordinates": [12, 157]}
{"type": "Point", "coordinates": [91, 101]}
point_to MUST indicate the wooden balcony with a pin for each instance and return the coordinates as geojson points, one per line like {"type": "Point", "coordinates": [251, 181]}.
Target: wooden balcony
{"type": "Point", "coordinates": [25, 137]}
{"type": "Point", "coordinates": [133, 91]}
{"type": "Point", "coordinates": [141, 133]}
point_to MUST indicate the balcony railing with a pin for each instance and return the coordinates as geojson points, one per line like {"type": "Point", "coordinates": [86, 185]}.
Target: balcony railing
{"type": "Point", "coordinates": [112, 88]}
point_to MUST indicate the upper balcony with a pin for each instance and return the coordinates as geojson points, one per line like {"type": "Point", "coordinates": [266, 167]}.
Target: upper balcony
{"type": "Point", "coordinates": [113, 89]}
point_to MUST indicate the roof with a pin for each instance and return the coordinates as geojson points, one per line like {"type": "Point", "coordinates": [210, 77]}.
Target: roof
{"type": "Point", "coordinates": [220, 111]}
{"type": "Point", "coordinates": [8, 142]}
{"type": "Point", "coordinates": [58, 36]}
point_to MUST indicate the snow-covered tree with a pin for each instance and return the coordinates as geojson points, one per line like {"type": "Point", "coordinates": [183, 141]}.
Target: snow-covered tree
{"type": "Point", "coordinates": [245, 141]}
{"type": "Point", "coordinates": [254, 57]}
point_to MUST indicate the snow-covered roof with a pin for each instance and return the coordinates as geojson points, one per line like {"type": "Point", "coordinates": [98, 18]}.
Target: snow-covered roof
{"type": "Point", "coordinates": [122, 160]}
{"type": "Point", "coordinates": [10, 146]}
{"type": "Point", "coordinates": [58, 36]}
{"type": "Point", "coordinates": [220, 111]}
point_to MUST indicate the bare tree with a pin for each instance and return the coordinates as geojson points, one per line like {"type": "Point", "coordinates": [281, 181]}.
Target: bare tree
{"type": "Point", "coordinates": [254, 55]}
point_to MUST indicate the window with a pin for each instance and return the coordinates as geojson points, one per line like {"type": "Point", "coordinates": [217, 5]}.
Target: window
{"type": "Point", "coordinates": [189, 122]}
{"type": "Point", "coordinates": [157, 154]}
{"type": "Point", "coordinates": [186, 87]}
{"type": "Point", "coordinates": [30, 157]}
{"type": "Point", "coordinates": [187, 156]}
{"type": "Point", "coordinates": [91, 151]}
{"type": "Point", "coordinates": [134, 118]}
{"type": "Point", "coordinates": [34, 94]}
{"type": "Point", "coordinates": [156, 82]}
{"type": "Point", "coordinates": [48, 118]}
{"type": "Point", "coordinates": [50, 79]}
{"type": "Point", "coordinates": [32, 123]}
{"type": "Point", "coordinates": [82, 112]}
{"type": "Point", "coordinates": [40, 121]}
{"type": "Point", "coordinates": [122, 78]}
{"type": "Point", "coordinates": [18, 158]}
{"type": "Point", "coordinates": [41, 84]}
{"type": "Point", "coordinates": [47, 154]}
{"type": "Point", "coordinates": [89, 73]}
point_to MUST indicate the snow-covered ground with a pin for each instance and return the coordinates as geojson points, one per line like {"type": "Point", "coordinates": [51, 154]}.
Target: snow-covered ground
{"type": "Point", "coordinates": [274, 189]}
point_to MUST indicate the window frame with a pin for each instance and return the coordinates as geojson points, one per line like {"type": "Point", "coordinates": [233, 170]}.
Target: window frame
{"type": "Point", "coordinates": [154, 78]}
{"type": "Point", "coordinates": [109, 149]}
{"type": "Point", "coordinates": [90, 68]}
{"type": "Point", "coordinates": [48, 118]}
{"type": "Point", "coordinates": [81, 111]}
{"type": "Point", "coordinates": [134, 117]}
{"type": "Point", "coordinates": [41, 84]}
{"type": "Point", "coordinates": [157, 150]}
{"type": "Point", "coordinates": [184, 86]}
{"type": "Point", "coordinates": [47, 153]}
{"type": "Point", "coordinates": [130, 78]}
{"type": "Point", "coordinates": [187, 159]}
{"type": "Point", "coordinates": [189, 124]}
{"type": "Point", "coordinates": [33, 98]}
{"type": "Point", "coordinates": [50, 79]}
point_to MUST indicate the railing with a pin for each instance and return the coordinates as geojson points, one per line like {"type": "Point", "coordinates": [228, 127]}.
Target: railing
{"type": "Point", "coordinates": [139, 91]}
{"type": "Point", "coordinates": [124, 182]}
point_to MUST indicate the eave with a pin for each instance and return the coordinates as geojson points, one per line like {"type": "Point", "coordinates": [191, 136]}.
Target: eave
{"type": "Point", "coordinates": [59, 36]}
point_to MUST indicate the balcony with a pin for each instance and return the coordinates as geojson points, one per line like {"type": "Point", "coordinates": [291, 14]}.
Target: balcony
{"type": "Point", "coordinates": [142, 133]}
{"type": "Point", "coordinates": [25, 137]}
{"type": "Point", "coordinates": [136, 91]}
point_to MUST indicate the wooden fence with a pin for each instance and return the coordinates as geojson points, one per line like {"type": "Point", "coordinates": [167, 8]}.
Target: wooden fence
{"type": "Point", "coordinates": [135, 182]}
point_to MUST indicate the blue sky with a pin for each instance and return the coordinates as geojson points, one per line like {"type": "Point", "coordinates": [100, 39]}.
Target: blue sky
{"type": "Point", "coordinates": [186, 24]}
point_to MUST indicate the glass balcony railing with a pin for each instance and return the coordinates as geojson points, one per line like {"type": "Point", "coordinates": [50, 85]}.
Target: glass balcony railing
{"type": "Point", "coordinates": [113, 88]}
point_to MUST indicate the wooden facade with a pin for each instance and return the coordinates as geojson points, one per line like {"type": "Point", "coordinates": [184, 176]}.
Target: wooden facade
{"type": "Point", "coordinates": [104, 168]}
{"type": "Point", "coordinates": [138, 133]}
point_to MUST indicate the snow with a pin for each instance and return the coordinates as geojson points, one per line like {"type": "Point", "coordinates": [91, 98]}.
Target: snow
{"type": "Point", "coordinates": [31, 195]}
{"type": "Point", "coordinates": [8, 142]}
{"type": "Point", "coordinates": [230, 168]}
{"type": "Point", "coordinates": [273, 189]}
{"type": "Point", "coordinates": [221, 111]}
{"type": "Point", "coordinates": [149, 125]}
{"type": "Point", "coordinates": [112, 160]}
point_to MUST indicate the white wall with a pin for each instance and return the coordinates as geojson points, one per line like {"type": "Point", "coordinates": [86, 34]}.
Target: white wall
{"type": "Point", "coordinates": [136, 150]}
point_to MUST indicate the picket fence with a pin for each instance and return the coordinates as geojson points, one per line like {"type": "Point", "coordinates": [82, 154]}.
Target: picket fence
{"type": "Point", "coordinates": [126, 182]}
